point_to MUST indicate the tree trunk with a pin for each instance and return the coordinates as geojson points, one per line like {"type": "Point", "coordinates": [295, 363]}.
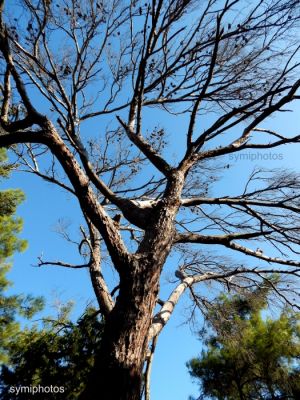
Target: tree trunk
{"type": "Point", "coordinates": [118, 372]}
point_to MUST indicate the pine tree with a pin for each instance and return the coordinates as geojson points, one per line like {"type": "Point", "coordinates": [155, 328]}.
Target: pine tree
{"type": "Point", "coordinates": [10, 227]}
{"type": "Point", "coordinates": [248, 356]}
{"type": "Point", "coordinates": [60, 354]}
{"type": "Point", "coordinates": [138, 109]}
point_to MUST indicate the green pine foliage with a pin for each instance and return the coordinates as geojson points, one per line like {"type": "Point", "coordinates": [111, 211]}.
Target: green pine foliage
{"type": "Point", "coordinates": [61, 354]}
{"type": "Point", "coordinates": [249, 357]}
{"type": "Point", "coordinates": [10, 227]}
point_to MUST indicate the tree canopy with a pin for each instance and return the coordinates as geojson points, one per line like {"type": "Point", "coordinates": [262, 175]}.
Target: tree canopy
{"type": "Point", "coordinates": [249, 355]}
{"type": "Point", "coordinates": [134, 108]}
{"type": "Point", "coordinates": [59, 354]}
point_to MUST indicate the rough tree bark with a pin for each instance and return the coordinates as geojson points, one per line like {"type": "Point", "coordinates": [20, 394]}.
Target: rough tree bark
{"type": "Point", "coordinates": [127, 328]}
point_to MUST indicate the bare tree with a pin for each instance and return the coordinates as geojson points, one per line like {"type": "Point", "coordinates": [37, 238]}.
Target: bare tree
{"type": "Point", "coordinates": [94, 90]}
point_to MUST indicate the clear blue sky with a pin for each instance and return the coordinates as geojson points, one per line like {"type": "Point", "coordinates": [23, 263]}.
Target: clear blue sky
{"type": "Point", "coordinates": [45, 205]}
